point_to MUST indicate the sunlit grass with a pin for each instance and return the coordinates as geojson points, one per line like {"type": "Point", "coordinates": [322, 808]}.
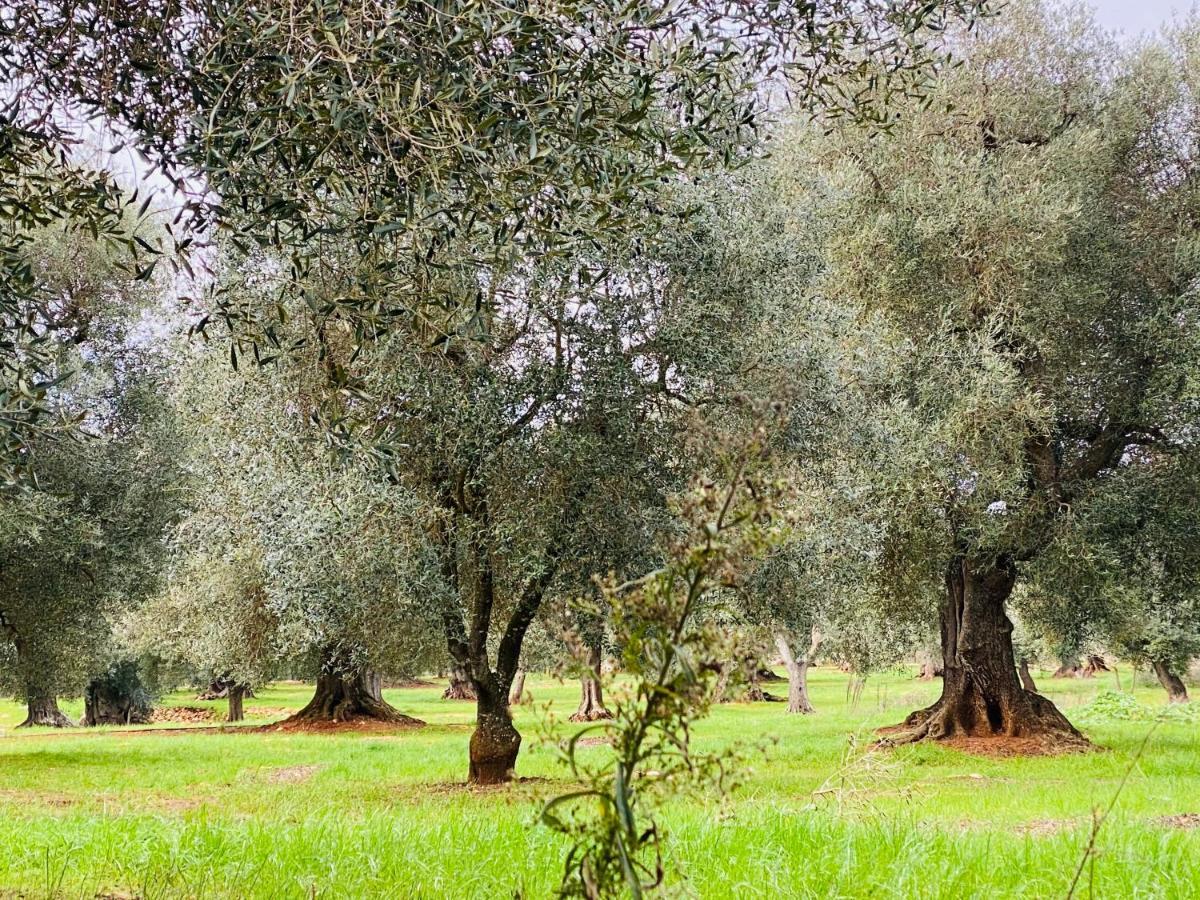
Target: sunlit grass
{"type": "Point", "coordinates": [245, 813]}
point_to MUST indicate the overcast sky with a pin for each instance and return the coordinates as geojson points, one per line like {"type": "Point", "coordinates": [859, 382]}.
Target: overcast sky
{"type": "Point", "coordinates": [1133, 16]}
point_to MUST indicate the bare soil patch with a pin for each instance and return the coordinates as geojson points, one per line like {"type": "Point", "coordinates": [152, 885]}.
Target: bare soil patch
{"type": "Point", "coordinates": [292, 774]}
{"type": "Point", "coordinates": [184, 714]}
{"type": "Point", "coordinates": [994, 746]}
{"type": "Point", "coordinates": [1045, 827]}
{"type": "Point", "coordinates": [466, 787]}
{"type": "Point", "coordinates": [362, 725]}
{"type": "Point", "coordinates": [1180, 820]}
{"type": "Point", "coordinates": [268, 712]}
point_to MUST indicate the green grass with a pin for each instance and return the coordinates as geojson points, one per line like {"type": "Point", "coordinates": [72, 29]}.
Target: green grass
{"type": "Point", "coordinates": [220, 814]}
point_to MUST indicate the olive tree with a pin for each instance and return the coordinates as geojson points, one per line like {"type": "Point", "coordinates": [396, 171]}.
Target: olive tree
{"type": "Point", "coordinates": [87, 536]}
{"type": "Point", "coordinates": [1028, 244]}
{"type": "Point", "coordinates": [287, 550]}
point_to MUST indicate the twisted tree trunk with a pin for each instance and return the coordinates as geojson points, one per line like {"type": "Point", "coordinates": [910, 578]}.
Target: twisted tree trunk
{"type": "Point", "coordinates": [1027, 681]}
{"type": "Point", "coordinates": [981, 694]}
{"type": "Point", "coordinates": [460, 685]}
{"type": "Point", "coordinates": [44, 710]}
{"type": "Point", "coordinates": [797, 669]}
{"type": "Point", "coordinates": [1068, 667]}
{"type": "Point", "coordinates": [345, 693]}
{"type": "Point", "coordinates": [591, 701]}
{"type": "Point", "coordinates": [1172, 683]}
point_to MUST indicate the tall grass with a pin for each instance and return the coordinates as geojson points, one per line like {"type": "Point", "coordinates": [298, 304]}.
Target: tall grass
{"type": "Point", "coordinates": [247, 814]}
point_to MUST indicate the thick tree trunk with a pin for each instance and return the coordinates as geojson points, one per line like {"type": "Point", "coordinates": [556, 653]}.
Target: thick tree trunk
{"type": "Point", "coordinates": [929, 669]}
{"type": "Point", "coordinates": [237, 693]}
{"type": "Point", "coordinates": [1172, 683]}
{"type": "Point", "coordinates": [797, 670]}
{"type": "Point", "coordinates": [45, 711]}
{"type": "Point", "coordinates": [755, 692]}
{"type": "Point", "coordinates": [1094, 664]}
{"type": "Point", "coordinates": [460, 686]}
{"type": "Point", "coordinates": [343, 695]}
{"type": "Point", "coordinates": [1027, 681]}
{"type": "Point", "coordinates": [495, 743]}
{"type": "Point", "coordinates": [591, 700]}
{"type": "Point", "coordinates": [981, 694]}
{"type": "Point", "coordinates": [1068, 667]}
{"type": "Point", "coordinates": [518, 688]}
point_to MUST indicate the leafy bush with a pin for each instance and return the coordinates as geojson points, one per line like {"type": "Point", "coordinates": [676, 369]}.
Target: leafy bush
{"type": "Point", "coordinates": [1112, 706]}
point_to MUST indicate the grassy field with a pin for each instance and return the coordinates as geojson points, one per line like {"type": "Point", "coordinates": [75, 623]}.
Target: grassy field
{"type": "Point", "coordinates": [252, 814]}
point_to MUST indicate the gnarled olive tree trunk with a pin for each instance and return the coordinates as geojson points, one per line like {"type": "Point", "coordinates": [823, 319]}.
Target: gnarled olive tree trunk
{"type": "Point", "coordinates": [981, 693]}
{"type": "Point", "coordinates": [1172, 683]}
{"type": "Point", "coordinates": [345, 692]}
{"type": "Point", "coordinates": [460, 685]}
{"type": "Point", "coordinates": [44, 710]}
{"type": "Point", "coordinates": [591, 700]}
{"type": "Point", "coordinates": [797, 669]}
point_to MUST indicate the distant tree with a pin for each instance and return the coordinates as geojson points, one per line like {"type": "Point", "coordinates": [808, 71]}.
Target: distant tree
{"type": "Point", "coordinates": [287, 550]}
{"type": "Point", "coordinates": [1131, 566]}
{"type": "Point", "coordinates": [88, 541]}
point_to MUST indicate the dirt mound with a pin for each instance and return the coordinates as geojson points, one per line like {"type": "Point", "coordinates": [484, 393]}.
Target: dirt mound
{"type": "Point", "coordinates": [187, 714]}
{"type": "Point", "coordinates": [1003, 746]}
{"type": "Point", "coordinates": [996, 746]}
{"type": "Point", "coordinates": [361, 725]}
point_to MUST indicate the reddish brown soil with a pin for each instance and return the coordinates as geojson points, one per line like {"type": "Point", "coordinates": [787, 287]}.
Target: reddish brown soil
{"type": "Point", "coordinates": [186, 714]}
{"type": "Point", "coordinates": [362, 725]}
{"type": "Point", "coordinates": [1000, 746]}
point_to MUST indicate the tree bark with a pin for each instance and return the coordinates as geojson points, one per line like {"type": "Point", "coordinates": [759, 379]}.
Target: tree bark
{"type": "Point", "coordinates": [1172, 683]}
{"type": "Point", "coordinates": [1068, 667]}
{"type": "Point", "coordinates": [237, 693]}
{"type": "Point", "coordinates": [45, 711]}
{"type": "Point", "coordinates": [797, 669]}
{"type": "Point", "coordinates": [929, 668]}
{"type": "Point", "coordinates": [460, 685]}
{"type": "Point", "coordinates": [518, 688]}
{"type": "Point", "coordinates": [495, 743]}
{"type": "Point", "coordinates": [981, 694]}
{"type": "Point", "coordinates": [1094, 664]}
{"type": "Point", "coordinates": [1027, 681]}
{"type": "Point", "coordinates": [346, 694]}
{"type": "Point", "coordinates": [591, 700]}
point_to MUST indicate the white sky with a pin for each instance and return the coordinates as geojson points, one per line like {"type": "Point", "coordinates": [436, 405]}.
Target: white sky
{"type": "Point", "coordinates": [1134, 16]}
